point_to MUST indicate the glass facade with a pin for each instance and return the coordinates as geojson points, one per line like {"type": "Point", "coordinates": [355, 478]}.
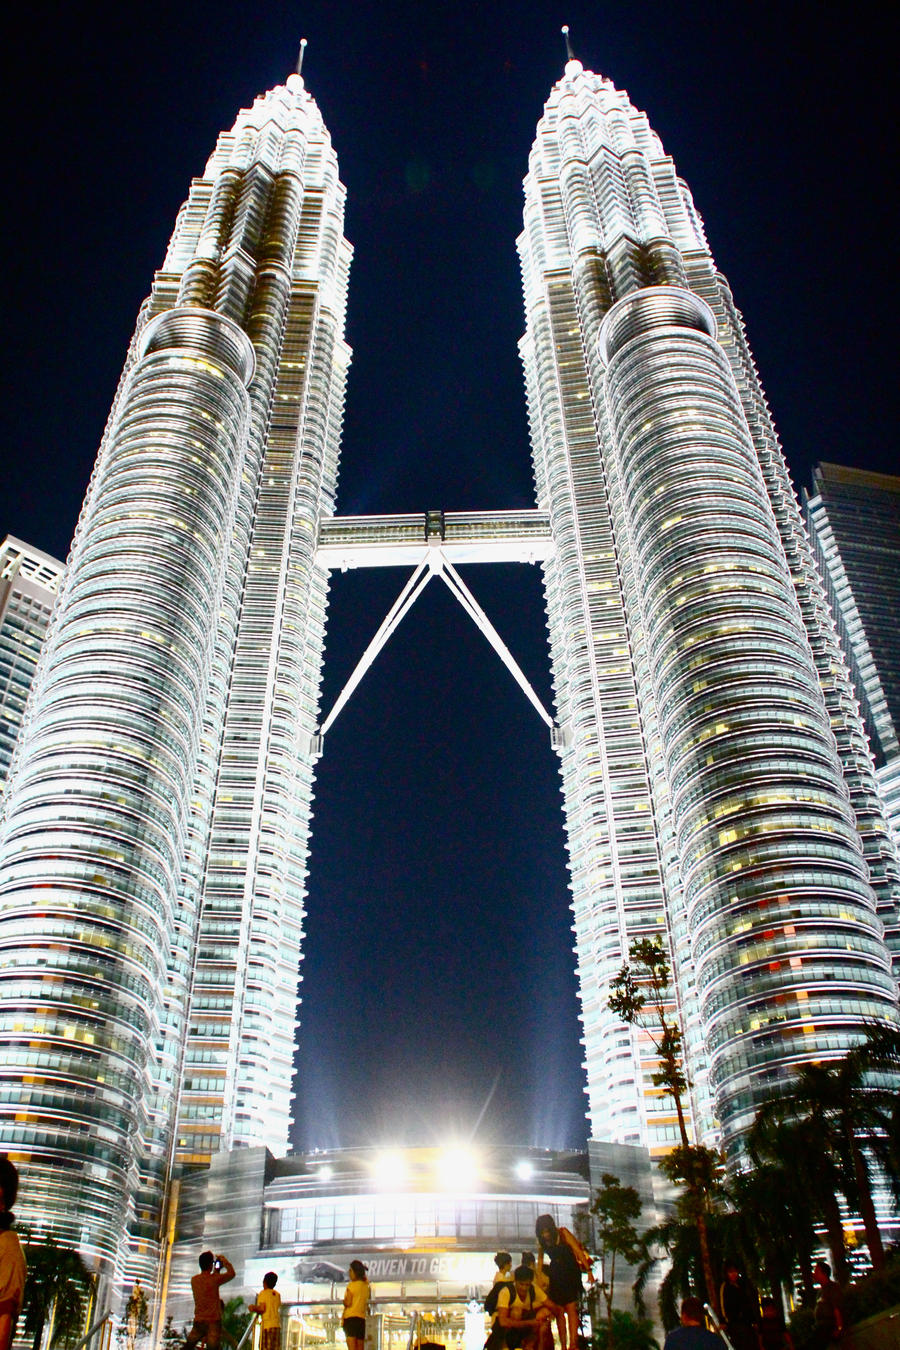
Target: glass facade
{"type": "Point", "coordinates": [154, 833]}
{"type": "Point", "coordinates": [853, 519]}
{"type": "Point", "coordinates": [718, 790]}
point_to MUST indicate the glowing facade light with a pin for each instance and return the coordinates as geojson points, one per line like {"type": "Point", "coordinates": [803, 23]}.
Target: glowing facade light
{"type": "Point", "coordinates": [524, 1170]}
{"type": "Point", "coordinates": [717, 786]}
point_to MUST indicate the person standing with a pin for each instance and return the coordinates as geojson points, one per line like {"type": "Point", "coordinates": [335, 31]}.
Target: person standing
{"type": "Point", "coordinates": [564, 1287]}
{"type": "Point", "coordinates": [356, 1304]}
{"type": "Point", "coordinates": [829, 1309]}
{"type": "Point", "coordinates": [12, 1259]}
{"type": "Point", "coordinates": [740, 1309]}
{"type": "Point", "coordinates": [207, 1326]}
{"type": "Point", "coordinates": [268, 1305]}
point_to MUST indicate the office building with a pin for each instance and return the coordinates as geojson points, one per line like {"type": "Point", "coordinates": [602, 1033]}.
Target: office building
{"type": "Point", "coordinates": [152, 857]}
{"type": "Point", "coordinates": [719, 792]}
{"type": "Point", "coordinates": [29, 585]}
{"type": "Point", "coordinates": [853, 519]}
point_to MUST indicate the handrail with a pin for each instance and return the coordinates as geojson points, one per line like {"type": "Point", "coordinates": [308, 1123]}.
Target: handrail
{"type": "Point", "coordinates": [92, 1331]}
{"type": "Point", "coordinates": [248, 1330]}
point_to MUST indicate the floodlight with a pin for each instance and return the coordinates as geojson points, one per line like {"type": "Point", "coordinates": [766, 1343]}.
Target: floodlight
{"type": "Point", "coordinates": [457, 1169]}
{"type": "Point", "coordinates": [524, 1170]}
{"type": "Point", "coordinates": [390, 1167]}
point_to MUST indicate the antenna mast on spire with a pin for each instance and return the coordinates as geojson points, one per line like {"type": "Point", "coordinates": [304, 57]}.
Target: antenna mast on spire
{"type": "Point", "coordinates": [300, 57]}
{"type": "Point", "coordinates": [565, 32]}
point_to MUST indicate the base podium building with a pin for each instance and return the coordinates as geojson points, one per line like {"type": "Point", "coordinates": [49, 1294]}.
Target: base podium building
{"type": "Point", "coordinates": [426, 1222]}
{"type": "Point", "coordinates": [719, 792]}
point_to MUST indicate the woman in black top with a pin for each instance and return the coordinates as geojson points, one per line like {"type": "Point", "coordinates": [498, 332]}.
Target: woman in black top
{"type": "Point", "coordinates": [557, 1260]}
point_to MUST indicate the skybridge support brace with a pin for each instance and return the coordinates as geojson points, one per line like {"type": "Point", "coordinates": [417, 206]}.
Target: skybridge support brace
{"type": "Point", "coordinates": [434, 562]}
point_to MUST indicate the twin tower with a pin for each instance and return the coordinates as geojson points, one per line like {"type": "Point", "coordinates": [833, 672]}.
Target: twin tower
{"type": "Point", "coordinates": [719, 792]}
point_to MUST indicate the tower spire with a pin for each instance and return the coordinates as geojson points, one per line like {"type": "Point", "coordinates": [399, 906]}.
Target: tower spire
{"type": "Point", "coordinates": [570, 55]}
{"type": "Point", "coordinates": [300, 57]}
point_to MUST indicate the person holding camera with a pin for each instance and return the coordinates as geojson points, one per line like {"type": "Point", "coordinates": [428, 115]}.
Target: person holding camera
{"type": "Point", "coordinates": [207, 1327]}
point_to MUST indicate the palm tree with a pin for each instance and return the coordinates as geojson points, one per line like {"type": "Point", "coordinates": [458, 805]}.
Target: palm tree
{"type": "Point", "coordinates": [58, 1287]}
{"type": "Point", "coordinates": [679, 1238]}
{"type": "Point", "coordinates": [844, 1115]}
{"type": "Point", "coordinates": [798, 1152]}
{"type": "Point", "coordinates": [641, 995]}
{"type": "Point", "coordinates": [776, 1224]}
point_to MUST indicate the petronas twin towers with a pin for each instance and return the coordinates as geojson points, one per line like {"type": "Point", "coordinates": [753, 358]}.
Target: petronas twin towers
{"type": "Point", "coordinates": [719, 791]}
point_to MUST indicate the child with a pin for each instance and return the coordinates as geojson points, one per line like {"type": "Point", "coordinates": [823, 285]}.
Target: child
{"type": "Point", "coordinates": [356, 1305]}
{"type": "Point", "coordinates": [268, 1304]}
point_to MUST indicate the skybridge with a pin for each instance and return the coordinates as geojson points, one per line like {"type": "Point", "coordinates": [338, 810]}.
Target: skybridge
{"type": "Point", "coordinates": [433, 544]}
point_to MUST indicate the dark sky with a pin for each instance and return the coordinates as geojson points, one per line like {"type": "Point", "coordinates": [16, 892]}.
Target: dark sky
{"type": "Point", "coordinates": [439, 948]}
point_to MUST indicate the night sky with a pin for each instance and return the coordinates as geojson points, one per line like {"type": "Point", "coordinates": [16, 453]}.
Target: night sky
{"type": "Point", "coordinates": [438, 959]}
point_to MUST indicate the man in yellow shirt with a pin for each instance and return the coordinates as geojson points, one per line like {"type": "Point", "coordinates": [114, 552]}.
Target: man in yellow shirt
{"type": "Point", "coordinates": [525, 1312]}
{"type": "Point", "coordinates": [268, 1305]}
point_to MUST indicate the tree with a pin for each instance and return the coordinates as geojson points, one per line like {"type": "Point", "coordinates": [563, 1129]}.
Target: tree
{"type": "Point", "coordinates": [775, 1228]}
{"type": "Point", "coordinates": [678, 1237]}
{"type": "Point", "coordinates": [808, 1178]}
{"type": "Point", "coordinates": [58, 1287]}
{"type": "Point", "coordinates": [136, 1322]}
{"type": "Point", "coordinates": [173, 1337]}
{"type": "Point", "coordinates": [614, 1208]}
{"type": "Point", "coordinates": [848, 1116]}
{"type": "Point", "coordinates": [236, 1317]}
{"type": "Point", "coordinates": [641, 996]}
{"type": "Point", "coordinates": [632, 1333]}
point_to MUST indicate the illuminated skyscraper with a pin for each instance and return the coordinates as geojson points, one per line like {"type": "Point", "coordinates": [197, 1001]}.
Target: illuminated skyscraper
{"type": "Point", "coordinates": [854, 522]}
{"type": "Point", "coordinates": [154, 835]}
{"type": "Point", "coordinates": [29, 581]}
{"type": "Point", "coordinates": [718, 789]}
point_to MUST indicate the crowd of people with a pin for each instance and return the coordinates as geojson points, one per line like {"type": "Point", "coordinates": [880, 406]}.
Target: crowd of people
{"type": "Point", "coordinates": [524, 1303]}
{"type": "Point", "coordinates": [544, 1290]}
{"type": "Point", "coordinates": [752, 1323]}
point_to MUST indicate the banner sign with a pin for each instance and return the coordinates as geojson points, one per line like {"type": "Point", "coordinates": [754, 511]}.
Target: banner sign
{"type": "Point", "coordinates": [455, 1267]}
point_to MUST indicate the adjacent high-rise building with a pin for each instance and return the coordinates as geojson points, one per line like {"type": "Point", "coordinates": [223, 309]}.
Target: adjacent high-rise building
{"type": "Point", "coordinates": [29, 582]}
{"type": "Point", "coordinates": [719, 791]}
{"type": "Point", "coordinates": [854, 522]}
{"type": "Point", "coordinates": [153, 845]}
{"type": "Point", "coordinates": [853, 518]}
